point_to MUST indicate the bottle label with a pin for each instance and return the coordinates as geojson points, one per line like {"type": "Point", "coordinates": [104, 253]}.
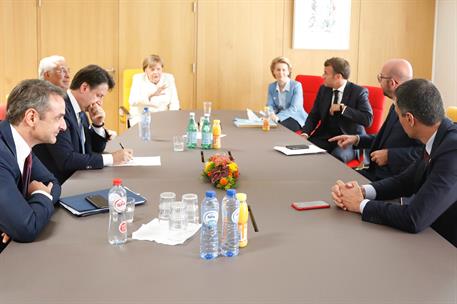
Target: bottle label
{"type": "Point", "coordinates": [191, 137]}
{"type": "Point", "coordinates": [119, 204]}
{"type": "Point", "coordinates": [206, 138]}
{"type": "Point", "coordinates": [236, 215]}
{"type": "Point", "coordinates": [210, 218]}
{"type": "Point", "coordinates": [123, 227]}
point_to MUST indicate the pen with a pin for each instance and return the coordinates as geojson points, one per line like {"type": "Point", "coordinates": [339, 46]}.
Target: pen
{"type": "Point", "coordinates": [203, 157]}
{"type": "Point", "coordinates": [231, 157]}
{"type": "Point", "coordinates": [254, 224]}
{"type": "Point", "coordinates": [120, 144]}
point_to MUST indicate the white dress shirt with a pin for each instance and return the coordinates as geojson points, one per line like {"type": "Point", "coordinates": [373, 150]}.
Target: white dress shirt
{"type": "Point", "coordinates": [22, 151]}
{"type": "Point", "coordinates": [142, 88]}
{"type": "Point", "coordinates": [282, 95]}
{"type": "Point", "coordinates": [107, 158]}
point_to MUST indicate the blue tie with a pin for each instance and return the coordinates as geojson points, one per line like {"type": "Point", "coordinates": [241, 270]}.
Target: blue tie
{"type": "Point", "coordinates": [82, 135]}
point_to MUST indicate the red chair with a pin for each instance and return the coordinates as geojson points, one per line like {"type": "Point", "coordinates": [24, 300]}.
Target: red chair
{"type": "Point", "coordinates": [377, 102]}
{"type": "Point", "coordinates": [310, 85]}
{"type": "Point", "coordinates": [2, 112]}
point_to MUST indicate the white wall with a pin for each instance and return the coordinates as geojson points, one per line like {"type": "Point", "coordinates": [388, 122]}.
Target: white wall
{"type": "Point", "coordinates": [444, 73]}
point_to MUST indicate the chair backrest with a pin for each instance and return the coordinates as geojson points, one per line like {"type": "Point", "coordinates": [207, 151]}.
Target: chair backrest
{"type": "Point", "coordinates": [451, 112]}
{"type": "Point", "coordinates": [310, 85]}
{"type": "Point", "coordinates": [127, 78]}
{"type": "Point", "coordinates": [2, 111]}
{"type": "Point", "coordinates": [377, 102]}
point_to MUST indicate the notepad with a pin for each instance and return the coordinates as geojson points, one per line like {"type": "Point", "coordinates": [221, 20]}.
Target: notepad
{"type": "Point", "coordinates": [312, 149]}
{"type": "Point", "coordinates": [142, 161]}
{"type": "Point", "coordinates": [79, 206]}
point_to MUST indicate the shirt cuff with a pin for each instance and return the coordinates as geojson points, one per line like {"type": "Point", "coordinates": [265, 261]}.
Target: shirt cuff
{"type": "Point", "coordinates": [100, 131]}
{"type": "Point", "coordinates": [370, 192]}
{"type": "Point", "coordinates": [107, 159]}
{"type": "Point", "coordinates": [362, 205]}
{"type": "Point", "coordinates": [44, 193]}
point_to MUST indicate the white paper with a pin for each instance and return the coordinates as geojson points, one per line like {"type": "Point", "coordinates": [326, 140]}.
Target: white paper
{"type": "Point", "coordinates": [157, 231]}
{"type": "Point", "coordinates": [142, 161]}
{"type": "Point", "coordinates": [313, 149]}
{"type": "Point", "coordinates": [199, 135]}
{"type": "Point", "coordinates": [252, 116]}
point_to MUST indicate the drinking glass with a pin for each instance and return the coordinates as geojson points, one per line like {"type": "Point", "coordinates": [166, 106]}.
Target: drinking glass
{"type": "Point", "coordinates": [166, 198]}
{"type": "Point", "coordinates": [207, 107]}
{"type": "Point", "coordinates": [130, 209]}
{"type": "Point", "coordinates": [178, 220]}
{"type": "Point", "coordinates": [178, 143]}
{"type": "Point", "coordinates": [191, 202]}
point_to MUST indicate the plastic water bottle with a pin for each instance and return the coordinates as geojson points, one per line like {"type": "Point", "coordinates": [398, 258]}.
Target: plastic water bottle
{"type": "Point", "coordinates": [207, 141]}
{"type": "Point", "coordinates": [117, 227]}
{"type": "Point", "coordinates": [145, 125]}
{"type": "Point", "coordinates": [191, 132]}
{"type": "Point", "coordinates": [209, 238]}
{"type": "Point", "coordinates": [230, 215]}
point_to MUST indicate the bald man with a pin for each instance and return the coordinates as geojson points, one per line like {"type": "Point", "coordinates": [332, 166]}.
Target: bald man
{"type": "Point", "coordinates": [391, 150]}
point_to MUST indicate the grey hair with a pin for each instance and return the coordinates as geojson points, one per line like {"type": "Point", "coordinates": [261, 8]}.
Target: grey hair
{"type": "Point", "coordinates": [47, 64]}
{"type": "Point", "coordinates": [31, 93]}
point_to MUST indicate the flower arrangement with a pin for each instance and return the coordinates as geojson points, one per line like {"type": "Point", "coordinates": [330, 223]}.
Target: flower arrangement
{"type": "Point", "coordinates": [221, 171]}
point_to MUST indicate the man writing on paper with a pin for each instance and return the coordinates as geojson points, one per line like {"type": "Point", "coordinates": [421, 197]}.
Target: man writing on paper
{"type": "Point", "coordinates": [432, 179]}
{"type": "Point", "coordinates": [81, 145]}
{"type": "Point", "coordinates": [28, 191]}
{"type": "Point", "coordinates": [391, 150]}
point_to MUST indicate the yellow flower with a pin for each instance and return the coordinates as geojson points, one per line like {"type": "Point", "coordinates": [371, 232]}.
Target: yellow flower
{"type": "Point", "coordinates": [233, 167]}
{"type": "Point", "coordinates": [207, 165]}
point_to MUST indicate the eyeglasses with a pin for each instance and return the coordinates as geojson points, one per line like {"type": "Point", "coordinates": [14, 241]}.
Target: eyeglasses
{"type": "Point", "coordinates": [62, 70]}
{"type": "Point", "coordinates": [381, 77]}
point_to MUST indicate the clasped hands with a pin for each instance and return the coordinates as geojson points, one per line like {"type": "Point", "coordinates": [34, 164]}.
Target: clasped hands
{"type": "Point", "coordinates": [348, 196]}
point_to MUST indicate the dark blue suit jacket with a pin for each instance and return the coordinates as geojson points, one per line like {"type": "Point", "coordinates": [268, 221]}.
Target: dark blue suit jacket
{"type": "Point", "coordinates": [434, 184]}
{"type": "Point", "coordinates": [65, 156]}
{"type": "Point", "coordinates": [403, 150]}
{"type": "Point", "coordinates": [22, 219]}
{"type": "Point", "coordinates": [357, 115]}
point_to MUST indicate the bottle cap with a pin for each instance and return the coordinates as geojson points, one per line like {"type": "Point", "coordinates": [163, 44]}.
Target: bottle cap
{"type": "Point", "coordinates": [117, 182]}
{"type": "Point", "coordinates": [210, 194]}
{"type": "Point", "coordinates": [231, 192]}
{"type": "Point", "coordinates": [146, 109]}
{"type": "Point", "coordinates": [216, 121]}
{"type": "Point", "coordinates": [192, 114]}
{"type": "Point", "coordinates": [242, 197]}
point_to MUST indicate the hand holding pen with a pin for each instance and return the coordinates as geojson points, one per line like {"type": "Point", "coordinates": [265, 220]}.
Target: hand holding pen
{"type": "Point", "coordinates": [122, 156]}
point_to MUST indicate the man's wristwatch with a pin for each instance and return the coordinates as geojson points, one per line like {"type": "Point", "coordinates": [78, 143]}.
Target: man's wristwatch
{"type": "Point", "coordinates": [99, 126]}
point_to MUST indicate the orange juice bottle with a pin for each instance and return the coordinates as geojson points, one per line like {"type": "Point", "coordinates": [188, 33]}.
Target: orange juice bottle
{"type": "Point", "coordinates": [217, 134]}
{"type": "Point", "coordinates": [266, 119]}
{"type": "Point", "coordinates": [243, 219]}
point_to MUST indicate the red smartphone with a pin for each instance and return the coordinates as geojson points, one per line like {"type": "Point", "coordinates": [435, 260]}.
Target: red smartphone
{"type": "Point", "coordinates": [301, 206]}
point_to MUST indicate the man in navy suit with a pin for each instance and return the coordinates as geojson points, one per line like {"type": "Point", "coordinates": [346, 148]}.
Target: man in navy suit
{"type": "Point", "coordinates": [432, 179]}
{"type": "Point", "coordinates": [28, 190]}
{"type": "Point", "coordinates": [391, 150]}
{"type": "Point", "coordinates": [80, 147]}
{"type": "Point", "coordinates": [341, 107]}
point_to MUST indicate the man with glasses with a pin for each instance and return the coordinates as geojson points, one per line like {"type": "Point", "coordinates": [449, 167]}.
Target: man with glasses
{"type": "Point", "coordinates": [391, 150]}
{"type": "Point", "coordinates": [55, 70]}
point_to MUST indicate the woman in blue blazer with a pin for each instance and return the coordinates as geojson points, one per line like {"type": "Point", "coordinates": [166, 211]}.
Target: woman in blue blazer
{"type": "Point", "coordinates": [285, 96]}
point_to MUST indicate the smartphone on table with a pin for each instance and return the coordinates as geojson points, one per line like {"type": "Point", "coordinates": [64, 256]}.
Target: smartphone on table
{"type": "Point", "coordinates": [98, 201]}
{"type": "Point", "coordinates": [301, 206]}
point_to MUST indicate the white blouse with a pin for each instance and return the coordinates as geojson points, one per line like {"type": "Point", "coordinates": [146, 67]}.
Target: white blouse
{"type": "Point", "coordinates": [142, 87]}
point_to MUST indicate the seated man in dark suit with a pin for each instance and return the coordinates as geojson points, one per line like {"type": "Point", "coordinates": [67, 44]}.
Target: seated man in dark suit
{"type": "Point", "coordinates": [341, 107]}
{"type": "Point", "coordinates": [28, 191]}
{"type": "Point", "coordinates": [432, 179]}
{"type": "Point", "coordinates": [81, 145]}
{"type": "Point", "coordinates": [391, 150]}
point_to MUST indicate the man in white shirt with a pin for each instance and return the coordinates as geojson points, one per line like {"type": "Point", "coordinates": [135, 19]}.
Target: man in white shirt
{"type": "Point", "coordinates": [28, 190]}
{"type": "Point", "coordinates": [81, 146]}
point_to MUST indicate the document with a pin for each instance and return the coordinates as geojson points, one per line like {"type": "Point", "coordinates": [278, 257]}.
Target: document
{"type": "Point", "coordinates": [312, 149]}
{"type": "Point", "coordinates": [253, 121]}
{"type": "Point", "coordinates": [142, 161]}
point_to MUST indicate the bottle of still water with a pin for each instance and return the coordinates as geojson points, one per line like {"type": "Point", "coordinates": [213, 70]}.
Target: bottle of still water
{"type": "Point", "coordinates": [209, 238]}
{"type": "Point", "coordinates": [191, 132]}
{"type": "Point", "coordinates": [207, 134]}
{"type": "Point", "coordinates": [230, 239]}
{"type": "Point", "coordinates": [117, 227]}
{"type": "Point", "coordinates": [145, 125]}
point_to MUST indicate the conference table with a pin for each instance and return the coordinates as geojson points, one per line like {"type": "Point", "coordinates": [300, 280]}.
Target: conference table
{"type": "Point", "coordinates": [316, 256]}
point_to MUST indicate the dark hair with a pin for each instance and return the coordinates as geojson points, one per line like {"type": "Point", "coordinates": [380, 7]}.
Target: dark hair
{"type": "Point", "coordinates": [340, 66]}
{"type": "Point", "coordinates": [94, 76]}
{"type": "Point", "coordinates": [31, 93]}
{"type": "Point", "coordinates": [421, 98]}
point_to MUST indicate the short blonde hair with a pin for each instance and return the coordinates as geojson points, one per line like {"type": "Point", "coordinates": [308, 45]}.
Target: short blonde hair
{"type": "Point", "coordinates": [280, 59]}
{"type": "Point", "coordinates": [151, 60]}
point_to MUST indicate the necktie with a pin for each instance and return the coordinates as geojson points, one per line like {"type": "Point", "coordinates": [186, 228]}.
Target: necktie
{"type": "Point", "coordinates": [426, 157]}
{"type": "Point", "coordinates": [335, 96]}
{"type": "Point", "coordinates": [82, 137]}
{"type": "Point", "coordinates": [26, 173]}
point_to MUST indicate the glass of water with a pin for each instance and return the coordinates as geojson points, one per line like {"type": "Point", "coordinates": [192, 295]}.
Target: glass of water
{"type": "Point", "coordinates": [178, 217]}
{"type": "Point", "coordinates": [166, 198]}
{"type": "Point", "coordinates": [191, 202]}
{"type": "Point", "coordinates": [130, 209]}
{"type": "Point", "coordinates": [207, 107]}
{"type": "Point", "coordinates": [178, 143]}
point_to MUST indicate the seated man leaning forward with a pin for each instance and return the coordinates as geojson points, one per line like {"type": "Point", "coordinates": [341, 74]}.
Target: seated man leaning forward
{"type": "Point", "coordinates": [28, 190]}
{"type": "Point", "coordinates": [80, 147]}
{"type": "Point", "coordinates": [432, 179]}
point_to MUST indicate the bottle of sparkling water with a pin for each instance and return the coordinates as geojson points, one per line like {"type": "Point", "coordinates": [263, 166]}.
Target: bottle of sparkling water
{"type": "Point", "coordinates": [206, 133]}
{"type": "Point", "coordinates": [209, 238]}
{"type": "Point", "coordinates": [145, 125]}
{"type": "Point", "coordinates": [230, 215]}
{"type": "Point", "coordinates": [117, 227]}
{"type": "Point", "coordinates": [191, 132]}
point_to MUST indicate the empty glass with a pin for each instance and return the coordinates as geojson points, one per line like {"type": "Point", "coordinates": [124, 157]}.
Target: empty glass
{"type": "Point", "coordinates": [191, 202]}
{"type": "Point", "coordinates": [130, 209]}
{"type": "Point", "coordinates": [178, 143]}
{"type": "Point", "coordinates": [207, 107]}
{"type": "Point", "coordinates": [178, 220]}
{"type": "Point", "coordinates": [166, 198]}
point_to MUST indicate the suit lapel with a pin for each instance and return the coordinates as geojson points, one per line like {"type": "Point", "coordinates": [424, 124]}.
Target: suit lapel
{"type": "Point", "coordinates": [346, 93]}
{"type": "Point", "coordinates": [383, 134]}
